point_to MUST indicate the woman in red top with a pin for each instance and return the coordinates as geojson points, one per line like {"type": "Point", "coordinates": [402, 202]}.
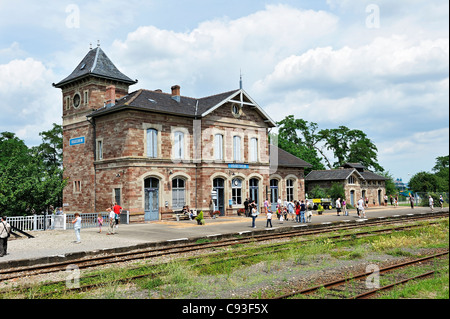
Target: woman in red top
{"type": "Point", "coordinates": [297, 212]}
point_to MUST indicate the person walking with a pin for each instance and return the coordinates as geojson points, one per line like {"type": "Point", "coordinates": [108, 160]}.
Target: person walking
{"type": "Point", "coordinates": [269, 219]}
{"type": "Point", "coordinates": [441, 200]}
{"type": "Point", "coordinates": [361, 208]}
{"type": "Point", "coordinates": [112, 221]}
{"type": "Point", "coordinates": [77, 227]}
{"type": "Point", "coordinates": [5, 232]}
{"type": "Point", "coordinates": [338, 206]}
{"type": "Point", "coordinates": [411, 200]}
{"type": "Point", "coordinates": [431, 202]}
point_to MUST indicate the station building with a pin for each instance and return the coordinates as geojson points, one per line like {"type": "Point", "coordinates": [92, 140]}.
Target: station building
{"type": "Point", "coordinates": [154, 152]}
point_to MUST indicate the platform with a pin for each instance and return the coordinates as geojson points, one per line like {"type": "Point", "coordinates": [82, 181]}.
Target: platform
{"type": "Point", "coordinates": [62, 242]}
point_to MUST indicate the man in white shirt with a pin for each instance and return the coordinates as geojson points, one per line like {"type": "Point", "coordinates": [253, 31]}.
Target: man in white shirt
{"type": "Point", "coordinates": [112, 221]}
{"type": "Point", "coordinates": [361, 208]}
{"type": "Point", "coordinates": [338, 206]}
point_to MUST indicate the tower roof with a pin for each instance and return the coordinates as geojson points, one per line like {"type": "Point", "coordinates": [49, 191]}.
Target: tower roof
{"type": "Point", "coordinates": [96, 63]}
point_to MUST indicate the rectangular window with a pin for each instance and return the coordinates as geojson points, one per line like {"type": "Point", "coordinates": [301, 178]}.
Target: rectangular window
{"type": "Point", "coordinates": [86, 97]}
{"type": "Point", "coordinates": [99, 150]}
{"type": "Point", "coordinates": [237, 148]}
{"type": "Point", "coordinates": [351, 180]}
{"type": "Point", "coordinates": [218, 147]}
{"type": "Point", "coordinates": [179, 145]}
{"type": "Point", "coordinates": [152, 143]}
{"type": "Point", "coordinates": [67, 102]}
{"type": "Point", "coordinates": [117, 195]}
{"type": "Point", "coordinates": [253, 149]}
{"type": "Point", "coordinates": [77, 186]}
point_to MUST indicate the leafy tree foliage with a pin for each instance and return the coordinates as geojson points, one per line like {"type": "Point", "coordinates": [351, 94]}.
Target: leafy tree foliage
{"type": "Point", "coordinates": [432, 182]}
{"type": "Point", "coordinates": [30, 178]}
{"type": "Point", "coordinates": [304, 140]}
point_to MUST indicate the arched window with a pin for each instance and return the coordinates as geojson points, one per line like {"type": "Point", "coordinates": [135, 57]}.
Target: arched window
{"type": "Point", "coordinates": [178, 193]}
{"type": "Point", "coordinates": [236, 189]}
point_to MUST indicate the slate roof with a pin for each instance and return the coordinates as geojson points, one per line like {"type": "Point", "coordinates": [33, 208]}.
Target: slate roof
{"type": "Point", "coordinates": [96, 63]}
{"type": "Point", "coordinates": [160, 102]}
{"type": "Point", "coordinates": [341, 174]}
{"type": "Point", "coordinates": [155, 101]}
{"type": "Point", "coordinates": [286, 159]}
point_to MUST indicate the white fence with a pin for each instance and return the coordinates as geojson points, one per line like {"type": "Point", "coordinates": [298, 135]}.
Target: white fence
{"type": "Point", "coordinates": [63, 221]}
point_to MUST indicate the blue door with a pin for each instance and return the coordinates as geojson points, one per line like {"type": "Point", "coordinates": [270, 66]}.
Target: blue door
{"type": "Point", "coordinates": [151, 191]}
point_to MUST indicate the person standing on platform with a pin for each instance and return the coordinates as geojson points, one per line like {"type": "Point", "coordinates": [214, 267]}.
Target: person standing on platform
{"type": "Point", "coordinates": [431, 202]}
{"type": "Point", "coordinates": [361, 210]}
{"type": "Point", "coordinates": [5, 232]}
{"type": "Point", "coordinates": [338, 206]}
{"type": "Point", "coordinates": [117, 210]}
{"type": "Point", "coordinates": [302, 212]}
{"type": "Point", "coordinates": [77, 227]}
{"type": "Point", "coordinates": [269, 219]}
{"type": "Point", "coordinates": [112, 221]}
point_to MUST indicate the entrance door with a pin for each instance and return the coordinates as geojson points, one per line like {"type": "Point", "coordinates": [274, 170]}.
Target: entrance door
{"type": "Point", "coordinates": [253, 183]}
{"type": "Point", "coordinates": [151, 192]}
{"type": "Point", "coordinates": [274, 194]}
{"type": "Point", "coordinates": [219, 187]}
{"type": "Point", "coordinates": [352, 198]}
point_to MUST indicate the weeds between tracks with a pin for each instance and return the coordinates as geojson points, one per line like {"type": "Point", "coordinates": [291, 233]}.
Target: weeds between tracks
{"type": "Point", "coordinates": [252, 270]}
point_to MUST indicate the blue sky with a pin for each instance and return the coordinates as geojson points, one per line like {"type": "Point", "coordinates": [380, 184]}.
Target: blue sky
{"type": "Point", "coordinates": [380, 66]}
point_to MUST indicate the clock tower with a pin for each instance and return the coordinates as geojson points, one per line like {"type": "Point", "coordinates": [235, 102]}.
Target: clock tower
{"type": "Point", "coordinates": [94, 83]}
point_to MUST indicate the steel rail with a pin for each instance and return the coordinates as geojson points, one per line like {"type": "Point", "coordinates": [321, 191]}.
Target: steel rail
{"type": "Point", "coordinates": [342, 281]}
{"type": "Point", "coordinates": [177, 249]}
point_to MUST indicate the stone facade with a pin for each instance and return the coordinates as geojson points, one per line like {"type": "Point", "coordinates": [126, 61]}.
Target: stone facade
{"type": "Point", "coordinates": [357, 182]}
{"type": "Point", "coordinates": [110, 154]}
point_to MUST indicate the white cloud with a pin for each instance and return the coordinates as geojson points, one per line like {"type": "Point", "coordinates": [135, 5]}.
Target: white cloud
{"type": "Point", "coordinates": [214, 52]}
{"type": "Point", "coordinates": [29, 104]}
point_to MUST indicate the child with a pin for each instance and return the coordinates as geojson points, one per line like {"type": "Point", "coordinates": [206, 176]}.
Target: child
{"type": "Point", "coordinates": [100, 222]}
{"type": "Point", "coordinates": [285, 212]}
{"type": "Point", "coordinates": [77, 226]}
{"type": "Point", "coordinates": [269, 218]}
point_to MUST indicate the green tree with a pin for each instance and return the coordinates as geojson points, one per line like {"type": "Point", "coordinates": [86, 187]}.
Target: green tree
{"type": "Point", "coordinates": [30, 179]}
{"type": "Point", "coordinates": [304, 140]}
{"type": "Point", "coordinates": [298, 137]}
{"type": "Point", "coordinates": [336, 191]}
{"type": "Point", "coordinates": [423, 182]}
{"type": "Point", "coordinates": [350, 146]}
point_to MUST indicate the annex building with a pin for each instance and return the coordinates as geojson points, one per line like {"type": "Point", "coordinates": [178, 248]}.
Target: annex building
{"type": "Point", "coordinates": [154, 152]}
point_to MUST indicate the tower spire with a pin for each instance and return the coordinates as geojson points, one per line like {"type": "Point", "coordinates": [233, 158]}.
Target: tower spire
{"type": "Point", "coordinates": [240, 79]}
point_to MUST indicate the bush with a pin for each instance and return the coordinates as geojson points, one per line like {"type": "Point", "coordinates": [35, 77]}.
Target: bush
{"type": "Point", "coordinates": [200, 219]}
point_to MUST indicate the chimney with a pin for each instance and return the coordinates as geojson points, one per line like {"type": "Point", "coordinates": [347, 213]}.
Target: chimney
{"type": "Point", "coordinates": [176, 93]}
{"type": "Point", "coordinates": [110, 96]}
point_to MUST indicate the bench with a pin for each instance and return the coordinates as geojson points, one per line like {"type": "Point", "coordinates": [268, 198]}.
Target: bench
{"type": "Point", "coordinates": [179, 216]}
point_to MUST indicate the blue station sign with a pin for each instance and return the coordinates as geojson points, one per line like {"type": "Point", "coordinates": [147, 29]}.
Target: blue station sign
{"type": "Point", "coordinates": [238, 166]}
{"type": "Point", "coordinates": [77, 140]}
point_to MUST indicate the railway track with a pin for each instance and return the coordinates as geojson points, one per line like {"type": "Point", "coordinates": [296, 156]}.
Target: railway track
{"type": "Point", "coordinates": [8, 274]}
{"type": "Point", "coordinates": [91, 282]}
{"type": "Point", "coordinates": [359, 281]}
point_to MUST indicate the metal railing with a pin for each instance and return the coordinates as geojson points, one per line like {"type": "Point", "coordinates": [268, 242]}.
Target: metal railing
{"type": "Point", "coordinates": [62, 221]}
